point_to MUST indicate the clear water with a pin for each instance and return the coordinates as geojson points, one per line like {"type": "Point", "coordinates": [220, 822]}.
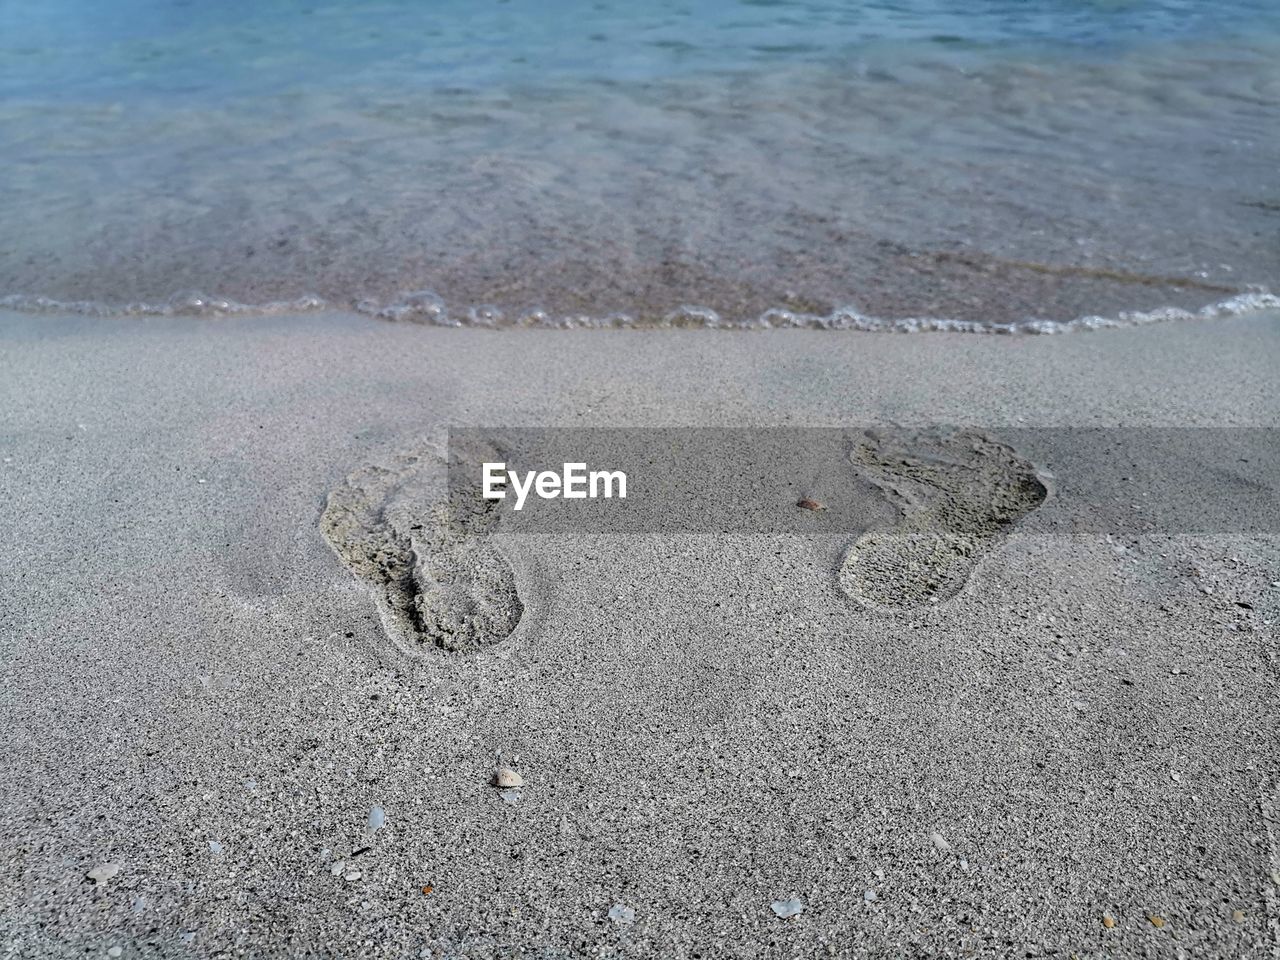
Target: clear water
{"type": "Point", "coordinates": [985, 161]}
{"type": "Point", "coordinates": [77, 50]}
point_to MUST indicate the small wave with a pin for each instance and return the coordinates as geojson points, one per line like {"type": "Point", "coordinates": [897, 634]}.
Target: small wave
{"type": "Point", "coordinates": [428, 308]}
{"type": "Point", "coordinates": [179, 305]}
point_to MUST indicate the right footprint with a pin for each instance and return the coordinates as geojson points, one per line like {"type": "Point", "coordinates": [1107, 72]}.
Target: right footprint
{"type": "Point", "coordinates": [959, 494]}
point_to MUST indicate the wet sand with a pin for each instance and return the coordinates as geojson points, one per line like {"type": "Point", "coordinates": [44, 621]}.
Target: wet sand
{"type": "Point", "coordinates": [199, 689]}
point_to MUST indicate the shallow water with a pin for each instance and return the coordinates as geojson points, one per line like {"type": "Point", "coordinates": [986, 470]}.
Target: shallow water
{"type": "Point", "coordinates": [905, 162]}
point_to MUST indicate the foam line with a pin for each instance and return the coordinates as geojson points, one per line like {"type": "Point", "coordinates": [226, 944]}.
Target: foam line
{"type": "Point", "coordinates": [426, 308]}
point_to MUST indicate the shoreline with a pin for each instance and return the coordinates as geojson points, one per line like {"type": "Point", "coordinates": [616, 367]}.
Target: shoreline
{"type": "Point", "coordinates": [426, 308]}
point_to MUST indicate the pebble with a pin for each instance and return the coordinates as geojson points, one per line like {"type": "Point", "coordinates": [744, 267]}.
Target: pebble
{"type": "Point", "coordinates": [1108, 921]}
{"type": "Point", "coordinates": [940, 843]}
{"type": "Point", "coordinates": [506, 779]}
{"type": "Point", "coordinates": [351, 876]}
{"type": "Point", "coordinates": [377, 819]}
{"type": "Point", "coordinates": [115, 952]}
{"type": "Point", "coordinates": [338, 867]}
{"type": "Point", "coordinates": [103, 872]}
{"type": "Point", "coordinates": [1237, 916]}
{"type": "Point", "coordinates": [510, 797]}
{"type": "Point", "coordinates": [215, 848]}
{"type": "Point", "coordinates": [868, 896]}
{"type": "Point", "coordinates": [1156, 922]}
{"type": "Point", "coordinates": [619, 913]}
{"type": "Point", "coordinates": [787, 908]}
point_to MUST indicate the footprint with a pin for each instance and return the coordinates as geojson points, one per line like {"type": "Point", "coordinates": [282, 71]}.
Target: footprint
{"type": "Point", "coordinates": [438, 579]}
{"type": "Point", "coordinates": [959, 494]}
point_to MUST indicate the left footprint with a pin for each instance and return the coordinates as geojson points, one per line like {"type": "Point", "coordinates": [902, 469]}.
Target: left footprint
{"type": "Point", "coordinates": [438, 579]}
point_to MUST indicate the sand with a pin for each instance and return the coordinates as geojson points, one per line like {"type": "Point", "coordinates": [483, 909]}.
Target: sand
{"type": "Point", "coordinates": [200, 687]}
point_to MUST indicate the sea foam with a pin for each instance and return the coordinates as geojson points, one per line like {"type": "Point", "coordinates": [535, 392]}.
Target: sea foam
{"type": "Point", "coordinates": [424, 307]}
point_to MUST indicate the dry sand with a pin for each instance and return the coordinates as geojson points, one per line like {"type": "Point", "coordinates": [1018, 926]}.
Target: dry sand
{"type": "Point", "coordinates": [197, 689]}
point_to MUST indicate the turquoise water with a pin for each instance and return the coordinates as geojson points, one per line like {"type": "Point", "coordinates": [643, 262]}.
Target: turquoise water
{"type": "Point", "coordinates": [74, 49]}
{"type": "Point", "coordinates": [991, 161]}
{"type": "Point", "coordinates": [70, 49]}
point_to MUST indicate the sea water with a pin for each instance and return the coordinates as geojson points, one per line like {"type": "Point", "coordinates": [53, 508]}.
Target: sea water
{"type": "Point", "coordinates": [902, 164]}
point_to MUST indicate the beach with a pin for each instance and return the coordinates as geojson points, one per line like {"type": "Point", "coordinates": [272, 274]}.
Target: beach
{"type": "Point", "coordinates": [1075, 754]}
{"type": "Point", "coordinates": [692, 480]}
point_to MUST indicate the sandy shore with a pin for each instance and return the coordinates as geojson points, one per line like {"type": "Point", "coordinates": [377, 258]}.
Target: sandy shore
{"type": "Point", "coordinates": [198, 691]}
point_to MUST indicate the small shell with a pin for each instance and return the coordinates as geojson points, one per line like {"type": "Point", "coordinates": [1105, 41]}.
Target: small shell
{"type": "Point", "coordinates": [807, 504]}
{"type": "Point", "coordinates": [103, 872]}
{"type": "Point", "coordinates": [506, 779]}
{"type": "Point", "coordinates": [785, 909]}
{"type": "Point", "coordinates": [1108, 921]}
{"type": "Point", "coordinates": [1156, 922]}
{"type": "Point", "coordinates": [620, 913]}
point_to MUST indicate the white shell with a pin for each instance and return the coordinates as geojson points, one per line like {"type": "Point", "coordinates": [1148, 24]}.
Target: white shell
{"type": "Point", "coordinates": [103, 872]}
{"type": "Point", "coordinates": [506, 778]}
{"type": "Point", "coordinates": [787, 908]}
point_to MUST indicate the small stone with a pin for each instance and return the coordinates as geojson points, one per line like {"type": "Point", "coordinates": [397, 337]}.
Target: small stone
{"type": "Point", "coordinates": [1175, 777]}
{"type": "Point", "coordinates": [619, 913]}
{"type": "Point", "coordinates": [510, 797]}
{"type": "Point", "coordinates": [507, 779]}
{"type": "Point", "coordinates": [868, 896]}
{"type": "Point", "coordinates": [1237, 916]}
{"type": "Point", "coordinates": [1108, 921]}
{"type": "Point", "coordinates": [940, 843]}
{"type": "Point", "coordinates": [103, 872]}
{"type": "Point", "coordinates": [114, 952]}
{"type": "Point", "coordinates": [351, 876]}
{"type": "Point", "coordinates": [807, 504]}
{"type": "Point", "coordinates": [377, 819]}
{"type": "Point", "coordinates": [787, 908]}
{"type": "Point", "coordinates": [1156, 921]}
{"type": "Point", "coordinates": [215, 848]}
{"type": "Point", "coordinates": [338, 867]}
